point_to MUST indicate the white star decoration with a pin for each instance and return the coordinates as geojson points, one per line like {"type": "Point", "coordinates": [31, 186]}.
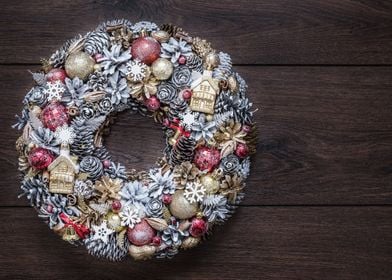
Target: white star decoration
{"type": "Point", "coordinates": [101, 232]}
{"type": "Point", "coordinates": [65, 134]}
{"type": "Point", "coordinates": [54, 90]}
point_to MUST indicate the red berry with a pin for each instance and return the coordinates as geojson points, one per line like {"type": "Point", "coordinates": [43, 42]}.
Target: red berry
{"type": "Point", "coordinates": [156, 240]}
{"type": "Point", "coordinates": [206, 158]}
{"type": "Point", "coordinates": [54, 115]}
{"type": "Point", "coordinates": [242, 150]}
{"type": "Point", "coordinates": [198, 227]}
{"type": "Point", "coordinates": [49, 208]}
{"type": "Point", "coordinates": [246, 128]}
{"type": "Point", "coordinates": [116, 205]}
{"type": "Point", "coordinates": [40, 158]}
{"type": "Point", "coordinates": [167, 198]}
{"type": "Point", "coordinates": [153, 103]}
{"type": "Point", "coordinates": [186, 94]}
{"type": "Point", "coordinates": [182, 60]}
{"type": "Point", "coordinates": [56, 74]}
{"type": "Point", "coordinates": [106, 163]}
{"type": "Point", "coordinates": [146, 50]}
{"type": "Point", "coordinates": [98, 57]}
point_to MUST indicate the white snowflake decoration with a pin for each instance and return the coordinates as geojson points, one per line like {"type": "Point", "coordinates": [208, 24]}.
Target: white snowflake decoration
{"type": "Point", "coordinates": [65, 134]}
{"type": "Point", "coordinates": [54, 90]}
{"type": "Point", "coordinates": [136, 71]}
{"type": "Point", "coordinates": [188, 119]}
{"type": "Point", "coordinates": [194, 192]}
{"type": "Point", "coordinates": [129, 217]}
{"type": "Point", "coordinates": [101, 232]}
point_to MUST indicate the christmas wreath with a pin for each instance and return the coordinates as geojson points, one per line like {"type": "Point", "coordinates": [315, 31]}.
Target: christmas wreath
{"type": "Point", "coordinates": [162, 72]}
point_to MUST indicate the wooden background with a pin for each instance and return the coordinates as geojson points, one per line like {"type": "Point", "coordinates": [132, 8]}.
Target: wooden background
{"type": "Point", "coordinates": [319, 199]}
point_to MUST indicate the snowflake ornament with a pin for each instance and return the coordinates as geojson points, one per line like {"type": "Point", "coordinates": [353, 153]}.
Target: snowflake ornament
{"type": "Point", "coordinates": [194, 192]}
{"type": "Point", "coordinates": [101, 232]}
{"type": "Point", "coordinates": [129, 217]}
{"type": "Point", "coordinates": [188, 119]}
{"type": "Point", "coordinates": [54, 91]}
{"type": "Point", "coordinates": [135, 71]}
{"type": "Point", "coordinates": [65, 134]}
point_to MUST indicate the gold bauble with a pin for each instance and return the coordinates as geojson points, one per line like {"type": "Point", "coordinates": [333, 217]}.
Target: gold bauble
{"type": "Point", "coordinates": [141, 252]}
{"type": "Point", "coordinates": [210, 183]}
{"type": "Point", "coordinates": [180, 207]}
{"type": "Point", "coordinates": [161, 36]}
{"type": "Point", "coordinates": [162, 69]}
{"type": "Point", "coordinates": [79, 64]}
{"type": "Point", "coordinates": [211, 60]}
{"type": "Point", "coordinates": [114, 222]}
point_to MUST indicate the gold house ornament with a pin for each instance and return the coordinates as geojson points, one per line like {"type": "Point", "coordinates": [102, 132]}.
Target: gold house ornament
{"type": "Point", "coordinates": [204, 92]}
{"type": "Point", "coordinates": [62, 172]}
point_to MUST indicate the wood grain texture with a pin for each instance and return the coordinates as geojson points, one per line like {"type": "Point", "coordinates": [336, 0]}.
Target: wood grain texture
{"type": "Point", "coordinates": [325, 135]}
{"type": "Point", "coordinates": [258, 243]}
{"type": "Point", "coordinates": [319, 198]}
{"type": "Point", "coordinates": [252, 31]}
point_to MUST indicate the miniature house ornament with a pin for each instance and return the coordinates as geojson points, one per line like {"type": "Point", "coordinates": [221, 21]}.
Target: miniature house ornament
{"type": "Point", "coordinates": [62, 172]}
{"type": "Point", "coordinates": [205, 89]}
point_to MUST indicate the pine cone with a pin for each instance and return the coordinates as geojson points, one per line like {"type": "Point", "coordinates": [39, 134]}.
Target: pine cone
{"type": "Point", "coordinates": [175, 108]}
{"type": "Point", "coordinates": [173, 30]}
{"type": "Point", "coordinates": [92, 166]}
{"type": "Point", "coordinates": [110, 250]}
{"type": "Point", "coordinates": [183, 151]}
{"type": "Point", "coordinates": [101, 153]}
{"type": "Point", "coordinates": [112, 23]}
{"type": "Point", "coordinates": [251, 139]}
{"type": "Point", "coordinates": [96, 41]}
{"type": "Point", "coordinates": [97, 81]}
{"type": "Point", "coordinates": [201, 46]}
{"type": "Point", "coordinates": [194, 63]}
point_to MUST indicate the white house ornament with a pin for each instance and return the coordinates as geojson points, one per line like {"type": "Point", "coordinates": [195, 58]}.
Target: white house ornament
{"type": "Point", "coordinates": [162, 72]}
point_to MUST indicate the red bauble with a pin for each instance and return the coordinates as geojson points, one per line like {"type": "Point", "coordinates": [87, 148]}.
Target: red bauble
{"type": "Point", "coordinates": [167, 198]}
{"type": "Point", "coordinates": [141, 234]}
{"type": "Point", "coordinates": [198, 227]}
{"type": "Point", "coordinates": [56, 74]}
{"type": "Point", "coordinates": [40, 158]}
{"type": "Point", "coordinates": [242, 150]}
{"type": "Point", "coordinates": [153, 103]}
{"type": "Point", "coordinates": [54, 115]}
{"type": "Point", "coordinates": [182, 60]}
{"type": "Point", "coordinates": [146, 50]}
{"type": "Point", "coordinates": [116, 205]}
{"type": "Point", "coordinates": [186, 93]}
{"type": "Point", "coordinates": [206, 158]}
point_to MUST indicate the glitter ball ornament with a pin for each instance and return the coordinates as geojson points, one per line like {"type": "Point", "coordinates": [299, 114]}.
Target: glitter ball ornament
{"type": "Point", "coordinates": [206, 158]}
{"type": "Point", "coordinates": [198, 227]}
{"type": "Point", "coordinates": [79, 64]}
{"type": "Point", "coordinates": [162, 69]}
{"type": "Point", "coordinates": [210, 184]}
{"type": "Point", "coordinates": [153, 103]}
{"type": "Point", "coordinates": [242, 150]}
{"type": "Point", "coordinates": [56, 74]}
{"type": "Point", "coordinates": [141, 234]}
{"type": "Point", "coordinates": [54, 115]}
{"type": "Point", "coordinates": [40, 158]}
{"type": "Point", "coordinates": [114, 221]}
{"type": "Point", "coordinates": [146, 50]}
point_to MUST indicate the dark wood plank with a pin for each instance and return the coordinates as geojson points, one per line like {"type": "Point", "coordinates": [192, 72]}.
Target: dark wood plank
{"type": "Point", "coordinates": [252, 31]}
{"type": "Point", "coordinates": [257, 243]}
{"type": "Point", "coordinates": [325, 135]}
